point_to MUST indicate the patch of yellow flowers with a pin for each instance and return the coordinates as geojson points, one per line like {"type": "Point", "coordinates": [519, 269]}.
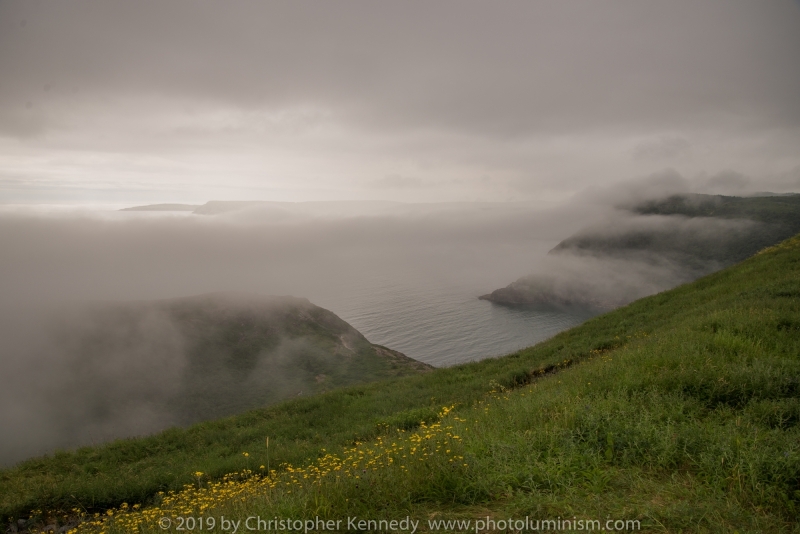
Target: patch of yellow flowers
{"type": "Point", "coordinates": [204, 496]}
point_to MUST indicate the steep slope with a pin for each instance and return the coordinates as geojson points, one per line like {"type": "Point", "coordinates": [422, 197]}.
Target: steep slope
{"type": "Point", "coordinates": [244, 352]}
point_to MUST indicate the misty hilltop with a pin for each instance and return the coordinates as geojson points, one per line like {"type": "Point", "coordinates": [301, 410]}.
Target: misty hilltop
{"type": "Point", "coordinates": [117, 369]}
{"type": "Point", "coordinates": [652, 246]}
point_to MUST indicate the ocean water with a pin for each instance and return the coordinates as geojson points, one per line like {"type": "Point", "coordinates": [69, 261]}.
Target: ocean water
{"type": "Point", "coordinates": [421, 298]}
{"type": "Point", "coordinates": [446, 324]}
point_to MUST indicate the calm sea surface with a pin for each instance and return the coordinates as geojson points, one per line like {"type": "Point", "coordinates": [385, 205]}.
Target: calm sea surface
{"type": "Point", "coordinates": [445, 324]}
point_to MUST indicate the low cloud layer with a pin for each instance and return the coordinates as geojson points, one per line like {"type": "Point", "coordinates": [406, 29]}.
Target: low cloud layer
{"type": "Point", "coordinates": [88, 373]}
{"type": "Point", "coordinates": [79, 378]}
{"type": "Point", "coordinates": [668, 182]}
{"type": "Point", "coordinates": [626, 257]}
{"type": "Point", "coordinates": [273, 248]}
{"type": "Point", "coordinates": [55, 263]}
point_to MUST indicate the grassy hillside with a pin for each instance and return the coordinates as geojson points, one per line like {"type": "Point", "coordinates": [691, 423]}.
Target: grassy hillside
{"type": "Point", "coordinates": [244, 352]}
{"type": "Point", "coordinates": [680, 411]}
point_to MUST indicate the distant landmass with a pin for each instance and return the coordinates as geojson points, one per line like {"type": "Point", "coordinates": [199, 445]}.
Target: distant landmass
{"type": "Point", "coordinates": [655, 245]}
{"type": "Point", "coordinates": [283, 210]}
{"type": "Point", "coordinates": [216, 207]}
{"type": "Point", "coordinates": [164, 207]}
{"type": "Point", "coordinates": [213, 207]}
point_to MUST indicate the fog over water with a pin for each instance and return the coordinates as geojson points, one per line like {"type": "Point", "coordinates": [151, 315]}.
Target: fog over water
{"type": "Point", "coordinates": [406, 276]}
{"type": "Point", "coordinates": [443, 323]}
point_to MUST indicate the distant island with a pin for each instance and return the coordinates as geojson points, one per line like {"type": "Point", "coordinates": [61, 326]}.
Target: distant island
{"type": "Point", "coordinates": [163, 207]}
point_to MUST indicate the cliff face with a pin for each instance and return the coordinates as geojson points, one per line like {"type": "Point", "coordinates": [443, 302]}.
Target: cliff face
{"type": "Point", "coordinates": [652, 247]}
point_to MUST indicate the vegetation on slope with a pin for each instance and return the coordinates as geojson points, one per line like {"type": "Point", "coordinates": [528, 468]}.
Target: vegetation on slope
{"type": "Point", "coordinates": [680, 411]}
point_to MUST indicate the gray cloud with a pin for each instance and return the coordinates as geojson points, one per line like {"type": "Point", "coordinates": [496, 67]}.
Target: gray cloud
{"type": "Point", "coordinates": [293, 102]}
{"type": "Point", "coordinates": [80, 376]}
{"type": "Point", "coordinates": [669, 182]}
{"type": "Point", "coordinates": [273, 247]}
{"type": "Point", "coordinates": [395, 181]}
{"type": "Point", "coordinates": [663, 148]}
{"type": "Point", "coordinates": [451, 64]}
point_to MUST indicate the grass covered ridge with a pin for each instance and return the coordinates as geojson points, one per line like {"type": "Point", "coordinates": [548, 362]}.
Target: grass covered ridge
{"type": "Point", "coordinates": [680, 410]}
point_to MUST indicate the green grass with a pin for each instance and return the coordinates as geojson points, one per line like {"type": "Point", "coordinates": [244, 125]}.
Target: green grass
{"type": "Point", "coordinates": [680, 410]}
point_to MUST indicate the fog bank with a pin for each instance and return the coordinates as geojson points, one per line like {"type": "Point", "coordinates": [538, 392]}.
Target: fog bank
{"type": "Point", "coordinates": [81, 373]}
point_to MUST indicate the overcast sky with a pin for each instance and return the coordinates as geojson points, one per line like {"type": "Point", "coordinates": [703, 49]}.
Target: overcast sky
{"type": "Point", "coordinates": [187, 101]}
